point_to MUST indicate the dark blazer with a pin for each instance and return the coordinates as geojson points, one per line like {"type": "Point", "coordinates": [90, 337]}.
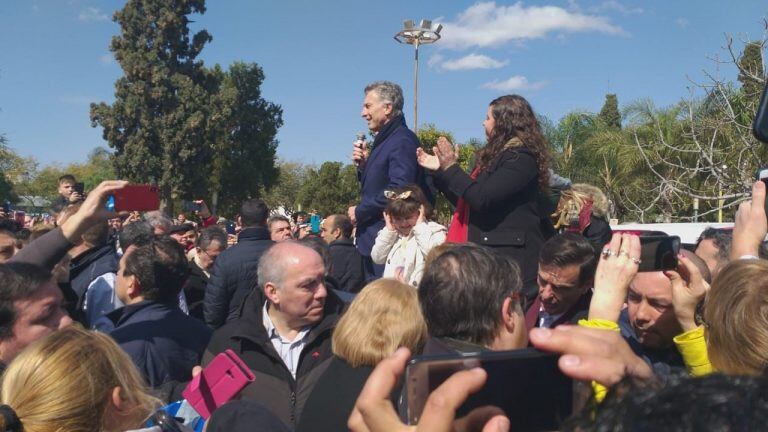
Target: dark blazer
{"type": "Point", "coordinates": [163, 342]}
{"type": "Point", "coordinates": [391, 164]}
{"type": "Point", "coordinates": [275, 387]}
{"type": "Point", "coordinates": [194, 290]}
{"type": "Point", "coordinates": [333, 398]}
{"type": "Point", "coordinates": [233, 276]}
{"type": "Point", "coordinates": [347, 265]}
{"type": "Point", "coordinates": [504, 207]}
{"type": "Point", "coordinates": [578, 311]}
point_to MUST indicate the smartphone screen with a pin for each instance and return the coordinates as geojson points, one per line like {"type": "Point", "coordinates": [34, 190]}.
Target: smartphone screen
{"type": "Point", "coordinates": [658, 253]}
{"type": "Point", "coordinates": [526, 384]}
{"type": "Point", "coordinates": [314, 220]}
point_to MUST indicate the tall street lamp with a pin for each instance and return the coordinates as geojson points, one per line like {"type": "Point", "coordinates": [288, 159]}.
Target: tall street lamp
{"type": "Point", "coordinates": [426, 33]}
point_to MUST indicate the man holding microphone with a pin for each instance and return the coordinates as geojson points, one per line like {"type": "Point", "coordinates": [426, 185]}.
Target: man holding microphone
{"type": "Point", "coordinates": [388, 164]}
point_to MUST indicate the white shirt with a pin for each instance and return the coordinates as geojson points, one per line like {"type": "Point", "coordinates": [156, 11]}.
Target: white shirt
{"type": "Point", "coordinates": [546, 320]}
{"type": "Point", "coordinates": [289, 351]}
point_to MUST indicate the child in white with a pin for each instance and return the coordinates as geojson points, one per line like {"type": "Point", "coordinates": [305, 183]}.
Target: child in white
{"type": "Point", "coordinates": [403, 244]}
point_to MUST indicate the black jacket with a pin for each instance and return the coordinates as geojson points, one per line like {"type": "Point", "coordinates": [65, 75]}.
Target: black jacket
{"type": "Point", "coordinates": [89, 265]}
{"type": "Point", "coordinates": [275, 387]}
{"type": "Point", "coordinates": [234, 276]}
{"type": "Point", "coordinates": [504, 208]}
{"type": "Point", "coordinates": [163, 342]}
{"type": "Point", "coordinates": [347, 267]}
{"type": "Point", "coordinates": [194, 290]}
{"type": "Point", "coordinates": [331, 402]}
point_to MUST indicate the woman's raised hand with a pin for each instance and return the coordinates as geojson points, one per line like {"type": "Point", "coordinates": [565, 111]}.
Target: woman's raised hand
{"type": "Point", "coordinates": [446, 154]}
{"type": "Point", "coordinates": [426, 160]}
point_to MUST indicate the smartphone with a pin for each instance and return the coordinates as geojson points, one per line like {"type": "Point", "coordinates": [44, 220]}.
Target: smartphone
{"type": "Point", "coordinates": [218, 383]}
{"type": "Point", "coordinates": [191, 206]}
{"type": "Point", "coordinates": [658, 252]}
{"type": "Point", "coordinates": [762, 175]}
{"type": "Point", "coordinates": [79, 188]}
{"type": "Point", "coordinates": [135, 198]}
{"type": "Point", "coordinates": [230, 227]}
{"type": "Point", "coordinates": [760, 125]}
{"type": "Point", "coordinates": [314, 220]}
{"type": "Point", "coordinates": [526, 384]}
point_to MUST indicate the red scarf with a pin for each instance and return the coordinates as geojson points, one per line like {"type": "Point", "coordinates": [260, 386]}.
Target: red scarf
{"type": "Point", "coordinates": [457, 232]}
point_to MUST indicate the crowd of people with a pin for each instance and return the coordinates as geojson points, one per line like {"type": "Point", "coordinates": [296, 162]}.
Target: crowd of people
{"type": "Point", "coordinates": [106, 317]}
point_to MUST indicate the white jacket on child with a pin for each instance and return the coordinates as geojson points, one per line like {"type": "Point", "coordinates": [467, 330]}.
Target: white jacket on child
{"type": "Point", "coordinates": [396, 251]}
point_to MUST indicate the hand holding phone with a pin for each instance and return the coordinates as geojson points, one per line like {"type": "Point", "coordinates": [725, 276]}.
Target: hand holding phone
{"type": "Point", "coordinates": [374, 412]}
{"type": "Point", "coordinates": [525, 384]}
{"type": "Point", "coordinates": [135, 198]}
{"type": "Point", "coordinates": [218, 383]}
{"type": "Point", "coordinates": [749, 229]}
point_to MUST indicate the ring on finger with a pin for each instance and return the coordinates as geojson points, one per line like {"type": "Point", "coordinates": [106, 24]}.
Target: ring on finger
{"type": "Point", "coordinates": [623, 252]}
{"type": "Point", "coordinates": [607, 252]}
{"type": "Point", "coordinates": [636, 260]}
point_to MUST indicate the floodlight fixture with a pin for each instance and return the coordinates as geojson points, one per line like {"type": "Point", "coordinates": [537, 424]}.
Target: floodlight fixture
{"type": "Point", "coordinates": [426, 33]}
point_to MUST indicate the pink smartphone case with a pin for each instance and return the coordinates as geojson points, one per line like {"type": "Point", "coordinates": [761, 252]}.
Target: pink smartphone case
{"type": "Point", "coordinates": [218, 383]}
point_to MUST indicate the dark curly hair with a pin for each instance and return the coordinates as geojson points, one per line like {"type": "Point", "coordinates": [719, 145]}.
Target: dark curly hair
{"type": "Point", "coordinates": [514, 118]}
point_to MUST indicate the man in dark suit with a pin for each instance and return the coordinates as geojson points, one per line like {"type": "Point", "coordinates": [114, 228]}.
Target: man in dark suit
{"type": "Point", "coordinates": [389, 163]}
{"type": "Point", "coordinates": [567, 264]}
{"type": "Point", "coordinates": [346, 262]}
{"type": "Point", "coordinates": [234, 273]}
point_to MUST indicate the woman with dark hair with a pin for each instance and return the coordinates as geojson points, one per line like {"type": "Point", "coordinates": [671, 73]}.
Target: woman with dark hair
{"type": "Point", "coordinates": [498, 203]}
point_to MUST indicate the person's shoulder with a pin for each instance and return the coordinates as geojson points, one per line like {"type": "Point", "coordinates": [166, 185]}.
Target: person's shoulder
{"type": "Point", "coordinates": [404, 136]}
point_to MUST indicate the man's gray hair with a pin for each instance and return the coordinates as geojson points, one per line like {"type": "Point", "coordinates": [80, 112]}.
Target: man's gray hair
{"type": "Point", "coordinates": [388, 92]}
{"type": "Point", "coordinates": [157, 218]}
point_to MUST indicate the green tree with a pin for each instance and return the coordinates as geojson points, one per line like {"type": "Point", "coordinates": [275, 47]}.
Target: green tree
{"type": "Point", "coordinates": [9, 160]}
{"type": "Point", "coordinates": [242, 127]}
{"type": "Point", "coordinates": [751, 73]}
{"type": "Point", "coordinates": [285, 192]}
{"type": "Point", "coordinates": [330, 189]}
{"type": "Point", "coordinates": [157, 124]}
{"type": "Point", "coordinates": [610, 114]}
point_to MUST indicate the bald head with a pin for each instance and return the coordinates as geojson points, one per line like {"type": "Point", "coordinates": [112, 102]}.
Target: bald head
{"type": "Point", "coordinates": [281, 258]}
{"type": "Point", "coordinates": [292, 277]}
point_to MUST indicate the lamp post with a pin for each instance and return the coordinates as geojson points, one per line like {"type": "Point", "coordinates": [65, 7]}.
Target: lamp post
{"type": "Point", "coordinates": [426, 33]}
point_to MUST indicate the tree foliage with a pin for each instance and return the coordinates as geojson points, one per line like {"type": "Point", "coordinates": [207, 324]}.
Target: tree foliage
{"type": "Point", "coordinates": [243, 129]}
{"type": "Point", "coordinates": [284, 193]}
{"type": "Point", "coordinates": [665, 159]}
{"type": "Point", "coordinates": [331, 189]}
{"type": "Point", "coordinates": [196, 132]}
{"type": "Point", "coordinates": [157, 124]}
{"type": "Point", "coordinates": [610, 114]}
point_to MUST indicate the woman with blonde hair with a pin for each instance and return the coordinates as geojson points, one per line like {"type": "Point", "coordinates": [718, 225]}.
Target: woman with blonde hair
{"type": "Point", "coordinates": [384, 316]}
{"type": "Point", "coordinates": [74, 380]}
{"type": "Point", "coordinates": [736, 318]}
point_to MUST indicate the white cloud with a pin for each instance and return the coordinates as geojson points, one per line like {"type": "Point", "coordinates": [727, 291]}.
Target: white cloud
{"type": "Point", "coordinates": [682, 22]}
{"type": "Point", "coordinates": [435, 60]}
{"type": "Point", "coordinates": [514, 83]}
{"type": "Point", "coordinates": [91, 14]}
{"type": "Point", "coordinates": [473, 61]}
{"type": "Point", "coordinates": [486, 24]}
{"type": "Point", "coordinates": [106, 59]}
{"type": "Point", "coordinates": [616, 6]}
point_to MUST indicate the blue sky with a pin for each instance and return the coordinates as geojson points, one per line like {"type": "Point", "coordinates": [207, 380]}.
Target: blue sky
{"type": "Point", "coordinates": [318, 56]}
